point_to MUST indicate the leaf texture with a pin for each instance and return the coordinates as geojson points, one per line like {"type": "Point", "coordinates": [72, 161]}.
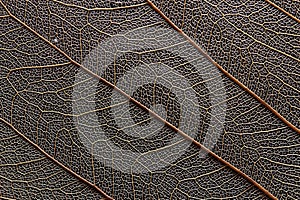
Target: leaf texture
{"type": "Point", "coordinates": [252, 40]}
{"type": "Point", "coordinates": [27, 174]}
{"type": "Point", "coordinates": [51, 93]}
{"type": "Point", "coordinates": [292, 7]}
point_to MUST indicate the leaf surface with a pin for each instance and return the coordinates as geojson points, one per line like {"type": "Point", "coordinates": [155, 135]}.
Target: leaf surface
{"type": "Point", "coordinates": [27, 174]}
{"type": "Point", "coordinates": [255, 42]}
{"type": "Point", "coordinates": [291, 7]}
{"type": "Point", "coordinates": [67, 92]}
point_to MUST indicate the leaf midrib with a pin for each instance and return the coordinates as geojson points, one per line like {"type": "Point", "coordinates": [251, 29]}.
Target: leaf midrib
{"type": "Point", "coordinates": [265, 191]}
{"type": "Point", "coordinates": [231, 77]}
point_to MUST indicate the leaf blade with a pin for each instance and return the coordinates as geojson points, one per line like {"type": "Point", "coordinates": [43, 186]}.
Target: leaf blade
{"type": "Point", "coordinates": [238, 55]}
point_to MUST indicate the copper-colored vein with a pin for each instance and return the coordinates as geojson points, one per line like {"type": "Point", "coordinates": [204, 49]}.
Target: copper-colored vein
{"type": "Point", "coordinates": [282, 10]}
{"type": "Point", "coordinates": [224, 71]}
{"type": "Point", "coordinates": [241, 85]}
{"type": "Point", "coordinates": [144, 107]}
{"type": "Point", "coordinates": [56, 161]}
{"type": "Point", "coordinates": [40, 149]}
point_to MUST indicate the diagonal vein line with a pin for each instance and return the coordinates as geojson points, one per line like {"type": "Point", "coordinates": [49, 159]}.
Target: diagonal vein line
{"type": "Point", "coordinates": [242, 86]}
{"type": "Point", "coordinates": [6, 198]}
{"type": "Point", "coordinates": [54, 160]}
{"type": "Point", "coordinates": [143, 107]}
{"type": "Point", "coordinates": [262, 43]}
{"type": "Point", "coordinates": [282, 10]}
{"type": "Point", "coordinates": [191, 41]}
{"type": "Point", "coordinates": [106, 196]}
{"type": "Point", "coordinates": [94, 9]}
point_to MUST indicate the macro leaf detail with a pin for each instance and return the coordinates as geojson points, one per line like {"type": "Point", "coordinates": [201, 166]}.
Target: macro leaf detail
{"type": "Point", "coordinates": [149, 100]}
